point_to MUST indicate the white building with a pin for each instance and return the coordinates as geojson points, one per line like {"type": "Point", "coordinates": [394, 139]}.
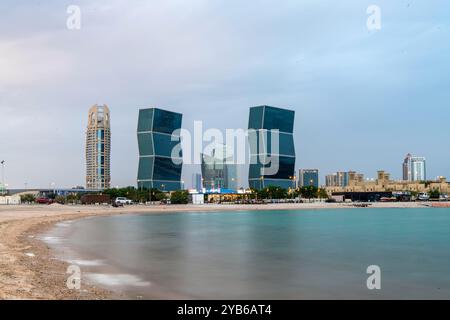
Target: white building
{"type": "Point", "coordinates": [8, 200]}
{"type": "Point", "coordinates": [414, 168]}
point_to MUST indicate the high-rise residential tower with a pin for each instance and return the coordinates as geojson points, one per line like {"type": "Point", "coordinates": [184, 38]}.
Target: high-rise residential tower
{"type": "Point", "coordinates": [272, 151]}
{"type": "Point", "coordinates": [158, 137]}
{"type": "Point", "coordinates": [98, 148]}
{"type": "Point", "coordinates": [414, 168]}
{"type": "Point", "coordinates": [331, 180]}
{"type": "Point", "coordinates": [309, 177]}
{"type": "Point", "coordinates": [343, 179]}
{"type": "Point", "coordinates": [218, 169]}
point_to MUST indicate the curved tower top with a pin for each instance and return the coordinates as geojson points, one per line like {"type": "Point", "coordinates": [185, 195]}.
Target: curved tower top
{"type": "Point", "coordinates": [99, 116]}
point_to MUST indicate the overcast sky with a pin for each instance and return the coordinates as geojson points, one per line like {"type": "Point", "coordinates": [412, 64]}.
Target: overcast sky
{"type": "Point", "coordinates": [363, 99]}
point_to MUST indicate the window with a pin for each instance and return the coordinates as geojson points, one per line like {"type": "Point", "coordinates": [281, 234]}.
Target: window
{"type": "Point", "coordinates": [145, 168]}
{"type": "Point", "coordinates": [165, 169]}
{"type": "Point", "coordinates": [166, 122]}
{"type": "Point", "coordinates": [280, 119]}
{"type": "Point", "coordinates": [145, 120]}
{"type": "Point", "coordinates": [145, 144]}
{"type": "Point", "coordinates": [164, 144]}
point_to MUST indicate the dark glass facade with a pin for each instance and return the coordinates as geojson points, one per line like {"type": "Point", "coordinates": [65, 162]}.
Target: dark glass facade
{"type": "Point", "coordinates": [265, 124]}
{"type": "Point", "coordinates": [309, 177]}
{"type": "Point", "coordinates": [157, 168]}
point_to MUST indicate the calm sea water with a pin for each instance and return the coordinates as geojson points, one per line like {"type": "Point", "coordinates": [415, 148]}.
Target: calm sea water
{"type": "Point", "coordinates": [321, 254]}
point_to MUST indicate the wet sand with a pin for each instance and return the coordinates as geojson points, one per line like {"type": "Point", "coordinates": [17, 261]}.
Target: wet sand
{"type": "Point", "coordinates": [28, 269]}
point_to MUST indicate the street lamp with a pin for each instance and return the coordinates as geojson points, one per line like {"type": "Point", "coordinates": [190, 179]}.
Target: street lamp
{"type": "Point", "coordinates": [3, 176]}
{"type": "Point", "coordinates": [293, 180]}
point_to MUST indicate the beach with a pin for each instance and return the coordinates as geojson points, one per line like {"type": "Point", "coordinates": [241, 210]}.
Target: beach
{"type": "Point", "coordinates": [28, 269]}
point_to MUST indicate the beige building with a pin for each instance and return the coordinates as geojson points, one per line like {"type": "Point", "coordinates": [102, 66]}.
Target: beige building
{"type": "Point", "coordinates": [342, 179]}
{"type": "Point", "coordinates": [383, 183]}
{"type": "Point", "coordinates": [98, 148]}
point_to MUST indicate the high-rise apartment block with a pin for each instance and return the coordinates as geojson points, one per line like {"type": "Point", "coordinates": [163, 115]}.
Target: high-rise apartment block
{"type": "Point", "coordinates": [158, 136]}
{"type": "Point", "coordinates": [98, 148]}
{"type": "Point", "coordinates": [218, 169]}
{"type": "Point", "coordinates": [414, 168]}
{"type": "Point", "coordinates": [309, 177]}
{"type": "Point", "coordinates": [272, 151]}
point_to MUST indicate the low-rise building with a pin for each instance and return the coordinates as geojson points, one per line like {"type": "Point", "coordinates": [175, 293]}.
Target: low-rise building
{"type": "Point", "coordinates": [383, 183]}
{"type": "Point", "coordinates": [10, 200]}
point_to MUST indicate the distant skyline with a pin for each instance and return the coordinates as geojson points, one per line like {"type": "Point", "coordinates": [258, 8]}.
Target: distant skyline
{"type": "Point", "coordinates": [363, 99]}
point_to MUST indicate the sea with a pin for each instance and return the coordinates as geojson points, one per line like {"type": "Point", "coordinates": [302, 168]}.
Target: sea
{"type": "Point", "coordinates": [332, 254]}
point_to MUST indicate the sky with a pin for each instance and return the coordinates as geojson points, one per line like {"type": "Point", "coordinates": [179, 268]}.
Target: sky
{"type": "Point", "coordinates": [363, 98]}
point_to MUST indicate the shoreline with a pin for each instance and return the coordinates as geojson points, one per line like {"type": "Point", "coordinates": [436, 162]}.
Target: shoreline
{"type": "Point", "coordinates": [29, 269]}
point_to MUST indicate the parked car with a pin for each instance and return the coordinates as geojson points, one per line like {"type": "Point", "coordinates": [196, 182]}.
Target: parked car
{"type": "Point", "coordinates": [44, 200]}
{"type": "Point", "coordinates": [443, 197]}
{"type": "Point", "coordinates": [123, 200]}
{"type": "Point", "coordinates": [423, 196]}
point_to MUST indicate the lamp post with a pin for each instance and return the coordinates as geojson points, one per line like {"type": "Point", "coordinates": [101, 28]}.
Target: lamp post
{"type": "Point", "coordinates": [3, 177]}
{"type": "Point", "coordinates": [292, 178]}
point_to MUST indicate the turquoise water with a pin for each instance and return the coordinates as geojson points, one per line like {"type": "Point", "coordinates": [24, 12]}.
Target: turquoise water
{"type": "Point", "coordinates": [320, 254]}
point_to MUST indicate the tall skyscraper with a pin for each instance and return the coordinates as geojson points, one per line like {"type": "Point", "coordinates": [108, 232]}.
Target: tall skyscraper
{"type": "Point", "coordinates": [407, 168]}
{"type": "Point", "coordinates": [98, 148]}
{"type": "Point", "coordinates": [309, 177]}
{"type": "Point", "coordinates": [272, 155]}
{"type": "Point", "coordinates": [414, 168]}
{"type": "Point", "coordinates": [156, 141]}
{"type": "Point", "coordinates": [218, 169]}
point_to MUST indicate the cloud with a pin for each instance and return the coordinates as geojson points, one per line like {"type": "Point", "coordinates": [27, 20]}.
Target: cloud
{"type": "Point", "coordinates": [212, 60]}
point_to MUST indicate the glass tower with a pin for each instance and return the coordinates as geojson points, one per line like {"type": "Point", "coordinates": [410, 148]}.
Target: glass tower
{"type": "Point", "coordinates": [418, 169]}
{"type": "Point", "coordinates": [218, 169]}
{"type": "Point", "coordinates": [98, 148]}
{"type": "Point", "coordinates": [272, 151]}
{"type": "Point", "coordinates": [160, 163]}
{"type": "Point", "coordinates": [309, 177]}
{"type": "Point", "coordinates": [414, 168]}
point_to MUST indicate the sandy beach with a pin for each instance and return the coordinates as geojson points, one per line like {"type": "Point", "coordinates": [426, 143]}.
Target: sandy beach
{"type": "Point", "coordinates": [28, 269]}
